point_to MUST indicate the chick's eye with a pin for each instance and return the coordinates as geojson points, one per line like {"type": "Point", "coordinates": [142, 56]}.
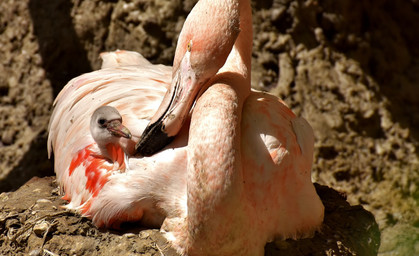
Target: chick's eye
{"type": "Point", "coordinates": [101, 122]}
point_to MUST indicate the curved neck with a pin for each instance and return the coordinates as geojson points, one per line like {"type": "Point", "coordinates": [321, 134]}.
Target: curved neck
{"type": "Point", "coordinates": [212, 27]}
{"type": "Point", "coordinates": [240, 57]}
{"type": "Point", "coordinates": [215, 184]}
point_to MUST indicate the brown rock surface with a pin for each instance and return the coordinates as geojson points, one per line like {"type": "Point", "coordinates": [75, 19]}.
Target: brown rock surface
{"type": "Point", "coordinates": [350, 68]}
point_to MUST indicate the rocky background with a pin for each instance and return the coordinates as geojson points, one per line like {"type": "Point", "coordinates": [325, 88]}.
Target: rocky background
{"type": "Point", "coordinates": [351, 68]}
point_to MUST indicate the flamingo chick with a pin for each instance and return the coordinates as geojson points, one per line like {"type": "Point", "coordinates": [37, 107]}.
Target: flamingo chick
{"type": "Point", "coordinates": [96, 167]}
{"type": "Point", "coordinates": [152, 203]}
{"type": "Point", "coordinates": [106, 127]}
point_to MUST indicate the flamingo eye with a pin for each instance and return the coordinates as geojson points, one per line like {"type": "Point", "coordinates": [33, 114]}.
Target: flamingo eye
{"type": "Point", "coordinates": [189, 47]}
{"type": "Point", "coordinates": [101, 122]}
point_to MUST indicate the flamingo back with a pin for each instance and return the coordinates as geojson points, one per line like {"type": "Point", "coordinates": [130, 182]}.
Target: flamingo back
{"type": "Point", "coordinates": [277, 155]}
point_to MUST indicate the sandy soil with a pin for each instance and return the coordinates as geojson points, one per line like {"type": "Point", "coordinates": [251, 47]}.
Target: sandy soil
{"type": "Point", "coordinates": [351, 69]}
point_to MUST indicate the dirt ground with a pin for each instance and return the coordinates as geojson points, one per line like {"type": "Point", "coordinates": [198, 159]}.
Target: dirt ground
{"type": "Point", "coordinates": [37, 224]}
{"type": "Point", "coordinates": [350, 68]}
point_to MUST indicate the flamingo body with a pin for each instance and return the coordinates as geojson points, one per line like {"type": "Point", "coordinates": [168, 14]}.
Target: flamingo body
{"type": "Point", "coordinates": [249, 157]}
{"type": "Point", "coordinates": [277, 152]}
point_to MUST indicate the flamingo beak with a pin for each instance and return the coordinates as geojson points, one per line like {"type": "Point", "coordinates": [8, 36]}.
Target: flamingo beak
{"type": "Point", "coordinates": [116, 128]}
{"type": "Point", "coordinates": [173, 111]}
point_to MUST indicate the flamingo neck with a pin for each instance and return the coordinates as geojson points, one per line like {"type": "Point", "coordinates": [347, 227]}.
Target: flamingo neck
{"type": "Point", "coordinates": [214, 170]}
{"type": "Point", "coordinates": [240, 58]}
{"type": "Point", "coordinates": [116, 154]}
{"type": "Point", "coordinates": [112, 152]}
{"type": "Point", "coordinates": [215, 179]}
{"type": "Point", "coordinates": [212, 27]}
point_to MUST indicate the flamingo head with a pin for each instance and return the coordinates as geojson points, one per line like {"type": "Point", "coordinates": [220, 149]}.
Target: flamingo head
{"type": "Point", "coordinates": [106, 126]}
{"type": "Point", "coordinates": [204, 44]}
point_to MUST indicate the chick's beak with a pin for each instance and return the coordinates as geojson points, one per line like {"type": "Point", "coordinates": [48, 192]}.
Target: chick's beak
{"type": "Point", "coordinates": [117, 129]}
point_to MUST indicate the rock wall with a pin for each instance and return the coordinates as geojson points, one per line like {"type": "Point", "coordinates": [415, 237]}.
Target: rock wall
{"type": "Point", "coordinates": [350, 68]}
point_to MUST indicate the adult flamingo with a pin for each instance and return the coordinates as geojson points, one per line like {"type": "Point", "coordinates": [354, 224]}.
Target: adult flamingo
{"type": "Point", "coordinates": [249, 156]}
{"type": "Point", "coordinates": [248, 172]}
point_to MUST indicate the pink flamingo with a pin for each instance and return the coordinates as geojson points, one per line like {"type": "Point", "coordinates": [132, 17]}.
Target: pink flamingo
{"type": "Point", "coordinates": [249, 156]}
{"type": "Point", "coordinates": [242, 178]}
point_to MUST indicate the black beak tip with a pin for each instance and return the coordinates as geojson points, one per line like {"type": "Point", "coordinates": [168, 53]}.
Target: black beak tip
{"type": "Point", "coordinates": [152, 140]}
